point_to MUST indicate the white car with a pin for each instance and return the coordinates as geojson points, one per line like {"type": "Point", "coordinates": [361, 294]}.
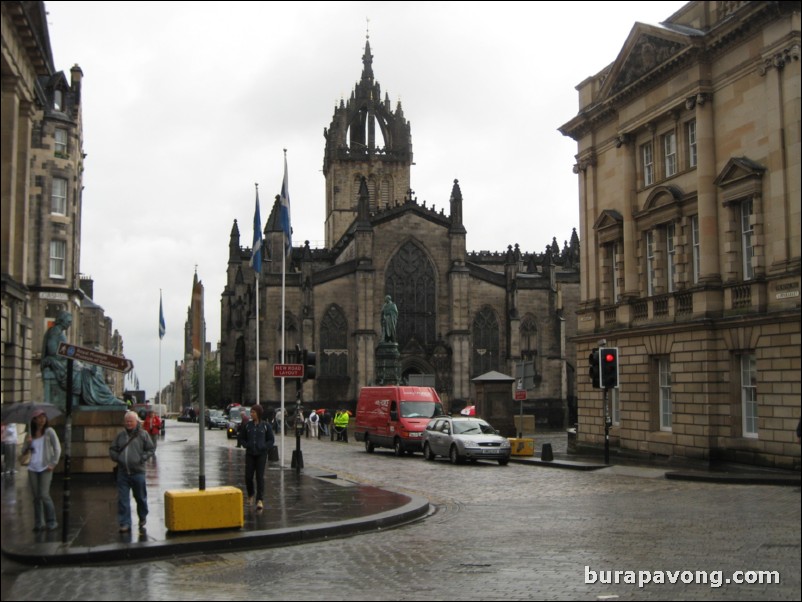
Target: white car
{"type": "Point", "coordinates": [464, 437]}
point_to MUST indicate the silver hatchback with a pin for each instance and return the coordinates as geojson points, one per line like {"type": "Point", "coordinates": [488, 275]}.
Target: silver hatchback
{"type": "Point", "coordinates": [464, 437]}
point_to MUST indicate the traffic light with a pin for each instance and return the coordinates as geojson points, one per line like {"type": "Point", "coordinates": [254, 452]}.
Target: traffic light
{"type": "Point", "coordinates": [309, 361]}
{"type": "Point", "coordinates": [594, 368]}
{"type": "Point", "coordinates": [608, 367]}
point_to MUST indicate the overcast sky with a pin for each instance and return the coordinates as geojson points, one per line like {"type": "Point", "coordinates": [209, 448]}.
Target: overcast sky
{"type": "Point", "coordinates": [187, 105]}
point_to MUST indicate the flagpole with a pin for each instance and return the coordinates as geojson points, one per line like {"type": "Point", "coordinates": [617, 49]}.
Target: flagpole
{"type": "Point", "coordinates": [257, 313]}
{"type": "Point", "coordinates": [161, 334]}
{"type": "Point", "coordinates": [287, 246]}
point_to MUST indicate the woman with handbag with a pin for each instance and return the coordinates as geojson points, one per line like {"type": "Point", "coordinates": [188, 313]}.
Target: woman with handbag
{"type": "Point", "coordinates": [45, 450]}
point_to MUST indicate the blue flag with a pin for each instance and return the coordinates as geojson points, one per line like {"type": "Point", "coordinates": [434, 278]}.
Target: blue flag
{"type": "Point", "coordinates": [285, 210]}
{"type": "Point", "coordinates": [256, 253]}
{"type": "Point", "coordinates": [162, 325]}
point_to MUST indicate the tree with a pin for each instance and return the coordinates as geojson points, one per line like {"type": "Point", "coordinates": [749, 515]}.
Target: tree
{"type": "Point", "coordinates": [211, 384]}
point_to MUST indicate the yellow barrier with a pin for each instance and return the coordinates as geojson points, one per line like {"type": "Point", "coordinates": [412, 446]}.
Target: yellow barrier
{"type": "Point", "coordinates": [522, 447]}
{"type": "Point", "coordinates": [213, 508]}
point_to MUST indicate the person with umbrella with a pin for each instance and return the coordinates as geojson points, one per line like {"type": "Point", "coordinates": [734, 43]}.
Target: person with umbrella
{"type": "Point", "coordinates": [43, 445]}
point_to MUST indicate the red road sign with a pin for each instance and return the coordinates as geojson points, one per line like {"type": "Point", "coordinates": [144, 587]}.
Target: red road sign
{"type": "Point", "coordinates": [288, 370]}
{"type": "Point", "coordinates": [90, 356]}
{"type": "Point", "coordinates": [520, 395]}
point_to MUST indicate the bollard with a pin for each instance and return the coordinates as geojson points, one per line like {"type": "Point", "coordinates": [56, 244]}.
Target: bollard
{"type": "Point", "coordinates": [546, 454]}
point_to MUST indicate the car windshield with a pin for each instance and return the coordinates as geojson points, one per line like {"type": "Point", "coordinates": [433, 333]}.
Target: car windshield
{"type": "Point", "coordinates": [473, 427]}
{"type": "Point", "coordinates": [421, 409]}
{"type": "Point", "coordinates": [215, 413]}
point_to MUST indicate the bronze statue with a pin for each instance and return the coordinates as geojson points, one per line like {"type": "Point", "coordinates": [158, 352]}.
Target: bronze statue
{"type": "Point", "coordinates": [87, 381]}
{"type": "Point", "coordinates": [389, 320]}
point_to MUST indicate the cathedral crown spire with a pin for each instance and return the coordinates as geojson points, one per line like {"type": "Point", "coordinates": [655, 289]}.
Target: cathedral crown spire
{"type": "Point", "coordinates": [367, 63]}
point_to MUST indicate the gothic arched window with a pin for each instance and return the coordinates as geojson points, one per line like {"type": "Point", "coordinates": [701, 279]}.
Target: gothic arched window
{"type": "Point", "coordinates": [410, 282]}
{"type": "Point", "coordinates": [333, 354]}
{"type": "Point", "coordinates": [528, 338]}
{"type": "Point", "coordinates": [292, 336]}
{"type": "Point", "coordinates": [486, 346]}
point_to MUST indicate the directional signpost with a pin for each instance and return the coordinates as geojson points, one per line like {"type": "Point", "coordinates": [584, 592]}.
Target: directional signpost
{"type": "Point", "coordinates": [90, 356]}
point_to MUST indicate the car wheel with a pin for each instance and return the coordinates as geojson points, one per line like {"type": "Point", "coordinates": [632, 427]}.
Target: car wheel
{"type": "Point", "coordinates": [454, 456]}
{"type": "Point", "coordinates": [427, 452]}
{"type": "Point", "coordinates": [398, 448]}
{"type": "Point", "coordinates": [503, 461]}
{"type": "Point", "coordinates": [369, 445]}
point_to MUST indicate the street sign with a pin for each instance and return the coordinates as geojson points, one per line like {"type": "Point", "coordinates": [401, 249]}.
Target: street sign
{"type": "Point", "coordinates": [288, 370]}
{"type": "Point", "coordinates": [520, 395]}
{"type": "Point", "coordinates": [98, 358]}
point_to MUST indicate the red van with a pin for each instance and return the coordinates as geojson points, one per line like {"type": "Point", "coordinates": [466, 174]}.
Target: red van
{"type": "Point", "coordinates": [395, 417]}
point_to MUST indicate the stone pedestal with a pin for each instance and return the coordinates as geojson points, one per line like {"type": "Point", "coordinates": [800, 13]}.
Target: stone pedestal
{"type": "Point", "coordinates": [93, 430]}
{"type": "Point", "coordinates": [388, 364]}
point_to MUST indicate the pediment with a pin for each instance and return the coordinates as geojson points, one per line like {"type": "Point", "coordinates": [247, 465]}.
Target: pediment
{"type": "Point", "coordinates": [609, 226]}
{"type": "Point", "coordinates": [647, 48]}
{"type": "Point", "coordinates": [740, 178]}
{"type": "Point", "coordinates": [662, 196]}
{"type": "Point", "coordinates": [609, 218]}
{"type": "Point", "coordinates": [737, 169]}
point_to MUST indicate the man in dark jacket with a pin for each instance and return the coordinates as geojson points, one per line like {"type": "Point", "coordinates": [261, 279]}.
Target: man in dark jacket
{"type": "Point", "coordinates": [257, 438]}
{"type": "Point", "coordinates": [130, 449]}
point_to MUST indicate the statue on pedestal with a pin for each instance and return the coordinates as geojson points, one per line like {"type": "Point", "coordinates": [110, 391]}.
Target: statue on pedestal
{"type": "Point", "coordinates": [88, 383]}
{"type": "Point", "coordinates": [389, 320]}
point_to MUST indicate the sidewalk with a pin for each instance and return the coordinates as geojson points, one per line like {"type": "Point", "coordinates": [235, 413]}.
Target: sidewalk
{"type": "Point", "coordinates": [622, 465]}
{"type": "Point", "coordinates": [297, 508]}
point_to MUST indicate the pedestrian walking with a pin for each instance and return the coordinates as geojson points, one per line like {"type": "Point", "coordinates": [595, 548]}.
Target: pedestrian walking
{"type": "Point", "coordinates": [325, 423]}
{"type": "Point", "coordinates": [256, 437]}
{"type": "Point", "coordinates": [313, 421]}
{"type": "Point", "coordinates": [131, 448]}
{"type": "Point", "coordinates": [153, 427]}
{"type": "Point", "coordinates": [9, 447]}
{"type": "Point", "coordinates": [43, 445]}
{"type": "Point", "coordinates": [341, 425]}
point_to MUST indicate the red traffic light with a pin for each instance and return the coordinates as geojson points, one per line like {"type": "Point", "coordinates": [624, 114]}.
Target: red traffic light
{"type": "Point", "coordinates": [609, 357]}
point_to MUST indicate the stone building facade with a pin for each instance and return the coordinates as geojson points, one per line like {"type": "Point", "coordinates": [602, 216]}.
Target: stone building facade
{"type": "Point", "coordinates": [42, 172]}
{"type": "Point", "coordinates": [461, 314]}
{"type": "Point", "coordinates": [689, 173]}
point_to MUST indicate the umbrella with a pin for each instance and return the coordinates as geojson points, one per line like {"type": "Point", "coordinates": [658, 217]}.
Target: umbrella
{"type": "Point", "coordinates": [468, 411]}
{"type": "Point", "coordinates": [22, 412]}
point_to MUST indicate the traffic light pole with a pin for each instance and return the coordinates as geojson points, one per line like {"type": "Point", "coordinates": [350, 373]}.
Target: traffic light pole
{"type": "Point", "coordinates": [607, 423]}
{"type": "Point", "coordinates": [297, 454]}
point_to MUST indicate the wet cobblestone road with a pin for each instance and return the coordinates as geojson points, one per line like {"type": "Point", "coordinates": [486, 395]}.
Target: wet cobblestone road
{"type": "Point", "coordinates": [498, 533]}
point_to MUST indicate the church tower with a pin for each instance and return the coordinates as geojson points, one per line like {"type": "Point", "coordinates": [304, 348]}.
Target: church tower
{"type": "Point", "coordinates": [367, 139]}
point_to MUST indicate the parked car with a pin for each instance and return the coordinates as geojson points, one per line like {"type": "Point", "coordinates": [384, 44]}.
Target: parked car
{"type": "Point", "coordinates": [215, 419]}
{"type": "Point", "coordinates": [464, 437]}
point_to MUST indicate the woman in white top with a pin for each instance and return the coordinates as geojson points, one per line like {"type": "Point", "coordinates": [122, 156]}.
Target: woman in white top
{"type": "Point", "coordinates": [45, 449]}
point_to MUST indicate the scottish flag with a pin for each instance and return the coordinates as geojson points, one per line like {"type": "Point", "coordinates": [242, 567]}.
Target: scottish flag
{"type": "Point", "coordinates": [285, 209]}
{"type": "Point", "coordinates": [162, 325]}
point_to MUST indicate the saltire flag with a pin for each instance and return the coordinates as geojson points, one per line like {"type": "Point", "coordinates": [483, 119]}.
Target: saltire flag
{"type": "Point", "coordinates": [162, 325]}
{"type": "Point", "coordinates": [256, 253]}
{"type": "Point", "coordinates": [285, 209]}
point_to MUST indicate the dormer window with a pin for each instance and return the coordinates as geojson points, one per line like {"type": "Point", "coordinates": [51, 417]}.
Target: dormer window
{"type": "Point", "coordinates": [58, 100]}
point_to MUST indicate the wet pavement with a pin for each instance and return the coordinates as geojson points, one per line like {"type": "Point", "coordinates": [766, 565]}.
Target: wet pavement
{"type": "Point", "coordinates": [298, 507]}
{"type": "Point", "coordinates": [312, 505]}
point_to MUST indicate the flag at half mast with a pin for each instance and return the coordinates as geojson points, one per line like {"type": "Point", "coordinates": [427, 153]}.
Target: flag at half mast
{"type": "Point", "coordinates": [285, 209]}
{"type": "Point", "coordinates": [256, 252]}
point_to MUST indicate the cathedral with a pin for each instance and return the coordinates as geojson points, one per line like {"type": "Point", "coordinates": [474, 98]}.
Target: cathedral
{"type": "Point", "coordinates": [461, 314]}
